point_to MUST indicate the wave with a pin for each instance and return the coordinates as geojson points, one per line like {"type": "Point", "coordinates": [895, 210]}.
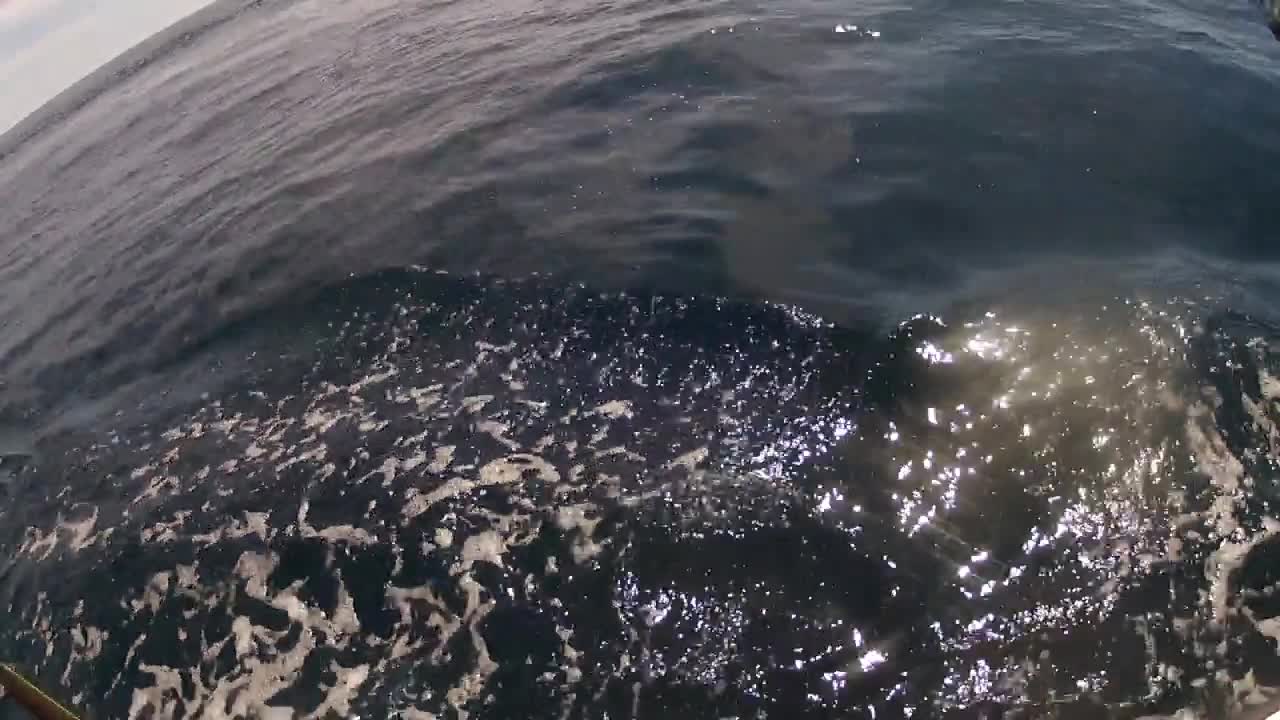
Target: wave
{"type": "Point", "coordinates": [164, 44]}
{"type": "Point", "coordinates": [483, 496]}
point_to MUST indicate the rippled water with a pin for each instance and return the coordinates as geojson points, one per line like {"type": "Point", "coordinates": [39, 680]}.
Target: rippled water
{"type": "Point", "coordinates": [941, 385]}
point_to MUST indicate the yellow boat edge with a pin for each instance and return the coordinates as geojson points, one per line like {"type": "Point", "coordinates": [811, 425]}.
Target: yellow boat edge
{"type": "Point", "coordinates": [27, 694]}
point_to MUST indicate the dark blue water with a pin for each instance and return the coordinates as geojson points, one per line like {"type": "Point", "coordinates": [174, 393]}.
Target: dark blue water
{"type": "Point", "coordinates": [636, 360]}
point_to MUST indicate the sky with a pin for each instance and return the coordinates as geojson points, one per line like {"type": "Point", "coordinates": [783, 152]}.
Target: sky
{"type": "Point", "coordinates": [47, 45]}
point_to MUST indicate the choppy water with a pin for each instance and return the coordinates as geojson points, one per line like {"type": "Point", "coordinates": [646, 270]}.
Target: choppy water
{"type": "Point", "coordinates": [824, 361]}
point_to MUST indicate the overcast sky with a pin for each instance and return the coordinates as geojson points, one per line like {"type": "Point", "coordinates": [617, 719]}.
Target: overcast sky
{"type": "Point", "coordinates": [47, 45]}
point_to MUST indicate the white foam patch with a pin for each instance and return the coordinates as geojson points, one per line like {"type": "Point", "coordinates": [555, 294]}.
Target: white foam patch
{"type": "Point", "coordinates": [284, 461]}
{"type": "Point", "coordinates": [86, 646]}
{"type": "Point", "coordinates": [504, 471]}
{"type": "Point", "coordinates": [443, 456]}
{"type": "Point", "coordinates": [264, 664]}
{"type": "Point", "coordinates": [374, 378]}
{"type": "Point", "coordinates": [498, 431]}
{"type": "Point", "coordinates": [1227, 475]}
{"type": "Point", "coordinates": [73, 535]}
{"type": "Point", "coordinates": [250, 523]}
{"type": "Point", "coordinates": [390, 466]}
{"type": "Point", "coordinates": [335, 533]}
{"type": "Point", "coordinates": [1270, 385]}
{"type": "Point", "coordinates": [487, 546]}
{"type": "Point", "coordinates": [262, 668]}
{"type": "Point", "coordinates": [340, 695]}
{"type": "Point", "coordinates": [475, 403]}
{"type": "Point", "coordinates": [690, 460]}
{"type": "Point", "coordinates": [620, 452]}
{"type": "Point", "coordinates": [166, 531]}
{"type": "Point", "coordinates": [615, 409]}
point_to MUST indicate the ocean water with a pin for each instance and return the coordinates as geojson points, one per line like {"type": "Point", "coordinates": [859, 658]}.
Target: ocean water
{"type": "Point", "coordinates": [650, 359]}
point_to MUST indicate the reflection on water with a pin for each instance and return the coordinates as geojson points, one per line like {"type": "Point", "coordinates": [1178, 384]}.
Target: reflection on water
{"type": "Point", "coordinates": [641, 505]}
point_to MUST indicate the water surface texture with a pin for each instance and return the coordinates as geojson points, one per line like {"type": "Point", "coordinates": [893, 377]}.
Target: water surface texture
{"type": "Point", "coordinates": [642, 360]}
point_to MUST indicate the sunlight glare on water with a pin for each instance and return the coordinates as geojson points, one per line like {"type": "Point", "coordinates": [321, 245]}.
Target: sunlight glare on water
{"type": "Point", "coordinates": [1031, 509]}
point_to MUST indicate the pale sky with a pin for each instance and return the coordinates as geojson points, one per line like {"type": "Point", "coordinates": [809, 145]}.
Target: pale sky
{"type": "Point", "coordinates": [47, 45]}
